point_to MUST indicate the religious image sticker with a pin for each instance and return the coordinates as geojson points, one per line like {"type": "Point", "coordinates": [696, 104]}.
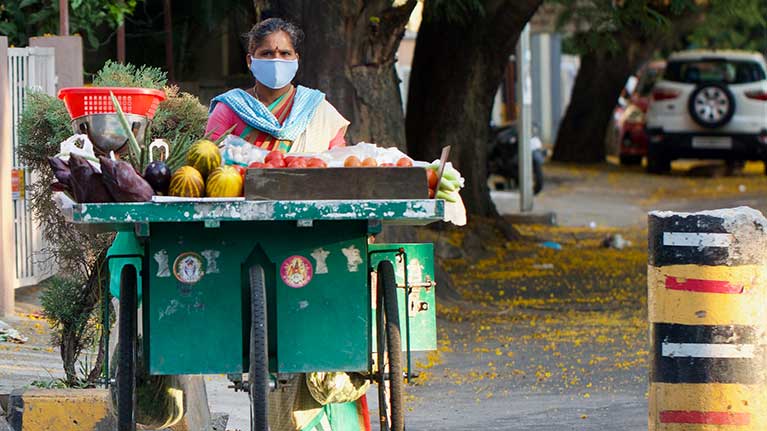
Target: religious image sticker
{"type": "Point", "coordinates": [188, 268]}
{"type": "Point", "coordinates": [296, 271]}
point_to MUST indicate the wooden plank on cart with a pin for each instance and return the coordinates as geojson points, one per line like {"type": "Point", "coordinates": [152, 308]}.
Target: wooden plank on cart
{"type": "Point", "coordinates": [336, 183]}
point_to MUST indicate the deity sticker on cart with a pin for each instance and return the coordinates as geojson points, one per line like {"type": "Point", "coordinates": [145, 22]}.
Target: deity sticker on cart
{"type": "Point", "coordinates": [296, 271]}
{"type": "Point", "coordinates": [188, 268]}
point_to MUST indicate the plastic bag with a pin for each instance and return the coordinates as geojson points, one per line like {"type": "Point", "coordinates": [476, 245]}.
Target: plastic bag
{"type": "Point", "coordinates": [69, 147]}
{"type": "Point", "coordinates": [335, 157]}
{"type": "Point", "coordinates": [336, 387]}
{"type": "Point", "coordinates": [62, 201]}
{"type": "Point", "coordinates": [237, 151]}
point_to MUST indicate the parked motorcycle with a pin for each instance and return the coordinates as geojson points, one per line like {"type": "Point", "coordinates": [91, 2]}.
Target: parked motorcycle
{"type": "Point", "coordinates": [503, 159]}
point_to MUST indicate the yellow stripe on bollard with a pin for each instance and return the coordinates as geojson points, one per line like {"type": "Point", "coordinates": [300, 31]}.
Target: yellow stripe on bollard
{"type": "Point", "coordinates": [707, 303]}
{"type": "Point", "coordinates": [707, 295]}
{"type": "Point", "coordinates": [704, 407]}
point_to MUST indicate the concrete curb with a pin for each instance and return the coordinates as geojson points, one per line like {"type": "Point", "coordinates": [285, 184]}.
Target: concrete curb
{"type": "Point", "coordinates": [60, 410]}
{"type": "Point", "coordinates": [90, 409]}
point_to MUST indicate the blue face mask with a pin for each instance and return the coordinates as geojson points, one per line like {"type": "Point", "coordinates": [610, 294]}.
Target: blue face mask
{"type": "Point", "coordinates": [273, 73]}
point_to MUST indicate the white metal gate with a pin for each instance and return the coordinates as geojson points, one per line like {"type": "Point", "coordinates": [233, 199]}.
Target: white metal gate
{"type": "Point", "coordinates": [29, 69]}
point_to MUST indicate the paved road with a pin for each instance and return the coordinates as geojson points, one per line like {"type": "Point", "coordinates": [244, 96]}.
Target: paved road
{"type": "Point", "coordinates": [610, 195]}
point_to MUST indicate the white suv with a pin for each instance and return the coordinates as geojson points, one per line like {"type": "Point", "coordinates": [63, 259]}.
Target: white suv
{"type": "Point", "coordinates": [709, 105]}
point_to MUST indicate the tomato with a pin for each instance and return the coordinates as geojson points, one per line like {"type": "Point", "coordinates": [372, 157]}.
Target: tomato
{"type": "Point", "coordinates": [240, 169]}
{"type": "Point", "coordinates": [273, 155]}
{"type": "Point", "coordinates": [386, 165]}
{"type": "Point", "coordinates": [297, 163]}
{"type": "Point", "coordinates": [315, 162]}
{"type": "Point", "coordinates": [352, 162]}
{"type": "Point", "coordinates": [289, 159]}
{"type": "Point", "coordinates": [431, 193]}
{"type": "Point", "coordinates": [432, 178]}
{"type": "Point", "coordinates": [257, 165]}
{"type": "Point", "coordinates": [369, 162]}
{"type": "Point", "coordinates": [279, 163]}
{"type": "Point", "coordinates": [404, 162]}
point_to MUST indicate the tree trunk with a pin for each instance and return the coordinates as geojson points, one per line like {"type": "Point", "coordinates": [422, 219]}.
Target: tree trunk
{"type": "Point", "coordinates": [600, 79]}
{"type": "Point", "coordinates": [457, 68]}
{"type": "Point", "coordinates": [349, 54]}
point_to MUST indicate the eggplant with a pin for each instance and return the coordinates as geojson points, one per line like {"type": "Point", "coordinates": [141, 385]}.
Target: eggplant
{"type": "Point", "coordinates": [157, 175]}
{"type": "Point", "coordinates": [60, 170]}
{"type": "Point", "coordinates": [123, 182]}
{"type": "Point", "coordinates": [86, 183]}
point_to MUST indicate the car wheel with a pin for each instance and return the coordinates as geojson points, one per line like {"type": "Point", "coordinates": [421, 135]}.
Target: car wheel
{"type": "Point", "coordinates": [711, 105]}
{"type": "Point", "coordinates": [630, 159]}
{"type": "Point", "coordinates": [657, 162]}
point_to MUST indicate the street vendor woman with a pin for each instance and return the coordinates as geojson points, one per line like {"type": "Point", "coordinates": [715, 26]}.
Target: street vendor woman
{"type": "Point", "coordinates": [276, 115]}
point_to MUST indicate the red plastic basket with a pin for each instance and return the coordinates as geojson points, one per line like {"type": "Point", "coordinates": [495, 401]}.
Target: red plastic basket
{"type": "Point", "coordinates": [95, 100]}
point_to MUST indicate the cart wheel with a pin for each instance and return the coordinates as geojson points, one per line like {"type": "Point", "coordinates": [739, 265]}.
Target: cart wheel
{"type": "Point", "coordinates": [126, 365]}
{"type": "Point", "coordinates": [258, 373]}
{"type": "Point", "coordinates": [389, 341]}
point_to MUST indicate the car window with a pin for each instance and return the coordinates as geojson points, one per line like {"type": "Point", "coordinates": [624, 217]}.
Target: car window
{"type": "Point", "coordinates": [648, 80]}
{"type": "Point", "coordinates": [715, 70]}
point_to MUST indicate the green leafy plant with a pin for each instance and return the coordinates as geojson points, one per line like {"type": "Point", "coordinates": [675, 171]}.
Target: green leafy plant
{"type": "Point", "coordinates": [72, 303]}
{"type": "Point", "coordinates": [127, 75]}
{"type": "Point", "coordinates": [180, 119]}
{"type": "Point", "coordinates": [74, 320]}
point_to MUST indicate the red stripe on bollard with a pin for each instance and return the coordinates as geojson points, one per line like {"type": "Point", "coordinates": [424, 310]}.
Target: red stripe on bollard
{"type": "Point", "coordinates": [707, 418]}
{"type": "Point", "coordinates": [703, 286]}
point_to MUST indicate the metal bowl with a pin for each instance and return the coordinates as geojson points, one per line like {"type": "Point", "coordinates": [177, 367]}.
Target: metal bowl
{"type": "Point", "coordinates": [107, 134]}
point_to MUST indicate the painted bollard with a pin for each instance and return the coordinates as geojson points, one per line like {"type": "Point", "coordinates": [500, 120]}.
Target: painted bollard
{"type": "Point", "coordinates": [707, 302]}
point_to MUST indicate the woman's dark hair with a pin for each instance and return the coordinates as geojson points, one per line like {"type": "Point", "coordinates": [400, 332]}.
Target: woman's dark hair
{"type": "Point", "coordinates": [263, 29]}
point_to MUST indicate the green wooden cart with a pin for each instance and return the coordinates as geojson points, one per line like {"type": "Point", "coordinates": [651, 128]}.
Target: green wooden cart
{"type": "Point", "coordinates": [269, 288]}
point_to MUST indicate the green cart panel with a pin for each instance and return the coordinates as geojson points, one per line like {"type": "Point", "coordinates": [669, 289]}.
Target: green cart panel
{"type": "Point", "coordinates": [420, 302]}
{"type": "Point", "coordinates": [316, 282]}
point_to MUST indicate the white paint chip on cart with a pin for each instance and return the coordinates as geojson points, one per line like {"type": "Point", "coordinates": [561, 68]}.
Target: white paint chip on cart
{"type": "Point", "coordinates": [320, 256]}
{"type": "Point", "coordinates": [161, 257]}
{"type": "Point", "coordinates": [701, 350]}
{"type": "Point", "coordinates": [693, 239]}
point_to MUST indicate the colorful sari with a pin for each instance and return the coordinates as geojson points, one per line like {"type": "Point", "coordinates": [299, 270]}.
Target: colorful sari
{"type": "Point", "coordinates": [301, 121]}
{"type": "Point", "coordinates": [280, 108]}
{"type": "Point", "coordinates": [277, 126]}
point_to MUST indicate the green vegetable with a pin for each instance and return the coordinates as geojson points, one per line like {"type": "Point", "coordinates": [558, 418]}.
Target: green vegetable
{"type": "Point", "coordinates": [223, 135]}
{"type": "Point", "coordinates": [447, 185]}
{"type": "Point", "coordinates": [133, 146]}
{"type": "Point", "coordinates": [448, 196]}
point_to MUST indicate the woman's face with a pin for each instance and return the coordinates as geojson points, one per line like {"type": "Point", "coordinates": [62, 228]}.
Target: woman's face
{"type": "Point", "coordinates": [276, 46]}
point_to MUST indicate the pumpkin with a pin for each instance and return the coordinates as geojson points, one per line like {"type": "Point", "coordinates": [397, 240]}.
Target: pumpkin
{"type": "Point", "coordinates": [224, 182]}
{"type": "Point", "coordinates": [186, 182]}
{"type": "Point", "coordinates": [204, 156]}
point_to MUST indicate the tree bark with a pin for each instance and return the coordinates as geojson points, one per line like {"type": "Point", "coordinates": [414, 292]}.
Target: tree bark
{"type": "Point", "coordinates": [601, 77]}
{"type": "Point", "coordinates": [457, 68]}
{"type": "Point", "coordinates": [349, 53]}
